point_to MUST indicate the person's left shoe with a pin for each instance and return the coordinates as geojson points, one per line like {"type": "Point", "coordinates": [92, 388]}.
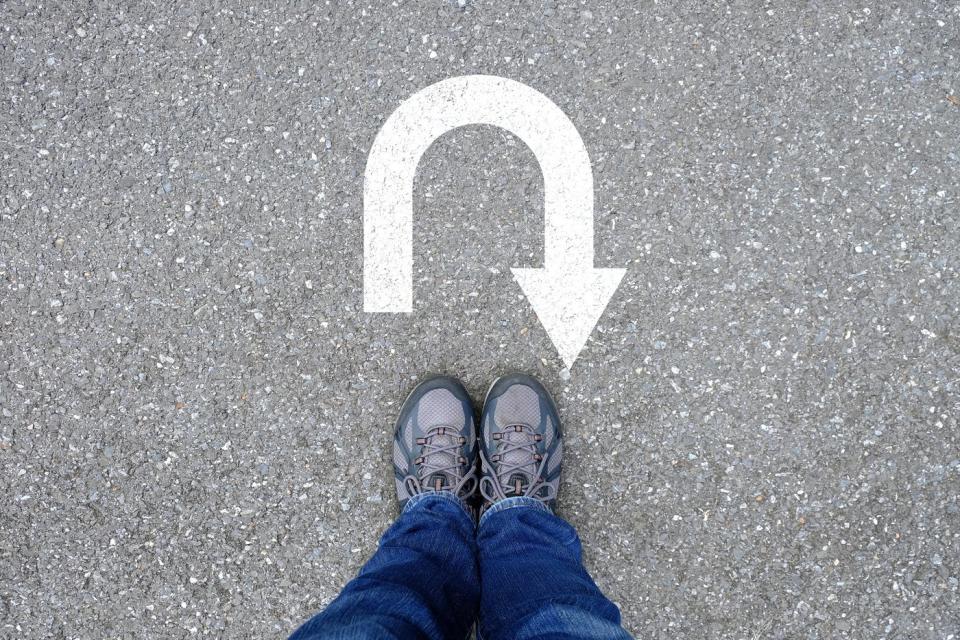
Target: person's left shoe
{"type": "Point", "coordinates": [435, 448]}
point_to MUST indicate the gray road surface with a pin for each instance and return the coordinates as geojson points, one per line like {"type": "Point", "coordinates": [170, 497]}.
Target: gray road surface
{"type": "Point", "coordinates": [195, 412]}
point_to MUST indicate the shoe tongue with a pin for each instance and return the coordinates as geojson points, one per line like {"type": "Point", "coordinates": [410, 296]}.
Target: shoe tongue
{"type": "Point", "coordinates": [525, 473]}
{"type": "Point", "coordinates": [445, 459]}
{"type": "Point", "coordinates": [439, 482]}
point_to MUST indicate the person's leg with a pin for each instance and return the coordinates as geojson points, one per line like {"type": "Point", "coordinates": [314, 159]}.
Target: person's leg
{"type": "Point", "coordinates": [423, 580]}
{"type": "Point", "coordinates": [421, 583]}
{"type": "Point", "coordinates": [533, 583]}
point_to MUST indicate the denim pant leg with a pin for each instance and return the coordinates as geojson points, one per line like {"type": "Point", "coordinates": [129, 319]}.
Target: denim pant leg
{"type": "Point", "coordinates": [422, 582]}
{"type": "Point", "coordinates": [533, 582]}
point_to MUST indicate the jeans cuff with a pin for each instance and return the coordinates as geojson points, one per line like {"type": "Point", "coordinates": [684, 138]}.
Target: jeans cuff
{"type": "Point", "coordinates": [444, 496]}
{"type": "Point", "coordinates": [513, 503]}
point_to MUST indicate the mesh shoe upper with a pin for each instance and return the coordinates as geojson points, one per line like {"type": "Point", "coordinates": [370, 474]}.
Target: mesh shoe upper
{"type": "Point", "coordinates": [521, 447]}
{"type": "Point", "coordinates": [435, 444]}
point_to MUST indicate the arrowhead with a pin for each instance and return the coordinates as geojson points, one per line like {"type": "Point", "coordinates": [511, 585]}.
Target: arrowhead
{"type": "Point", "coordinates": [569, 302]}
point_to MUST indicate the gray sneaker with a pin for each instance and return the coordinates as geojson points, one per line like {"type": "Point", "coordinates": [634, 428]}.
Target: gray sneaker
{"type": "Point", "coordinates": [435, 447]}
{"type": "Point", "coordinates": [521, 445]}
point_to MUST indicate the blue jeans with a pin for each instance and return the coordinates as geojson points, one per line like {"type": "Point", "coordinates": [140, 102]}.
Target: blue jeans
{"type": "Point", "coordinates": [518, 573]}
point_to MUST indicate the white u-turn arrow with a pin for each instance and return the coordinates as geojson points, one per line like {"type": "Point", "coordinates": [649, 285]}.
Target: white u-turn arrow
{"type": "Point", "coordinates": [568, 294]}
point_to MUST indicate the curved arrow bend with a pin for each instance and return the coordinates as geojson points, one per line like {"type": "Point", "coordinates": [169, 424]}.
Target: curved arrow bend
{"type": "Point", "coordinates": [568, 294]}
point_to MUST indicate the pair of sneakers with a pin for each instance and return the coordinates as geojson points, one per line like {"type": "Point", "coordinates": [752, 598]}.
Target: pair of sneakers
{"type": "Point", "coordinates": [517, 451]}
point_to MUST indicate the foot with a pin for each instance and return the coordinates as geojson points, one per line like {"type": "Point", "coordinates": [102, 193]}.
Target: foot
{"type": "Point", "coordinates": [521, 445]}
{"type": "Point", "coordinates": [435, 445]}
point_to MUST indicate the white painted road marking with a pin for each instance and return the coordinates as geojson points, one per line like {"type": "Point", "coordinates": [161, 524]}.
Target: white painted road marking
{"type": "Point", "coordinates": [568, 294]}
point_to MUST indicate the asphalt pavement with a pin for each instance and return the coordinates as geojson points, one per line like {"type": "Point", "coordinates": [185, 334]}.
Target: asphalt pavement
{"type": "Point", "coordinates": [196, 413]}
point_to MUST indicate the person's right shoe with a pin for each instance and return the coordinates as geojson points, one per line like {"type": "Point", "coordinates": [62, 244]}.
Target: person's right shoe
{"type": "Point", "coordinates": [520, 443]}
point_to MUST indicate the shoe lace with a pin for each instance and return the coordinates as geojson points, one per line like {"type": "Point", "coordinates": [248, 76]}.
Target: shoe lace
{"type": "Point", "coordinates": [517, 461]}
{"type": "Point", "coordinates": [441, 460]}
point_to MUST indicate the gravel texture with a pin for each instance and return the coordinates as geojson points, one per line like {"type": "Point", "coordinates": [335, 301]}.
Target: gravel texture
{"type": "Point", "coordinates": [195, 412]}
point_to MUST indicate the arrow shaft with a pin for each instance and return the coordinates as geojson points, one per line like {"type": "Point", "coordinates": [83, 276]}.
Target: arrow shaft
{"type": "Point", "coordinates": [427, 115]}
